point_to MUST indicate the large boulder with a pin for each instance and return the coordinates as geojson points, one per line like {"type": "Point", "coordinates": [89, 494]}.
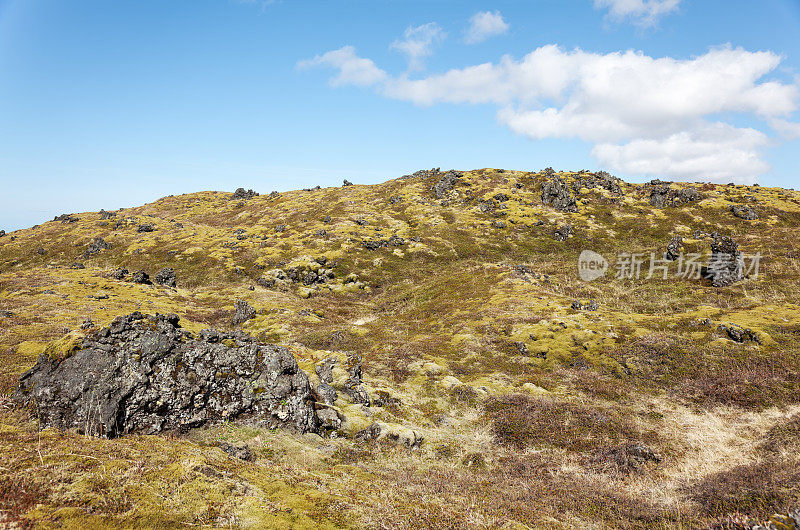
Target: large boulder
{"type": "Point", "coordinates": [446, 183]}
{"type": "Point", "coordinates": [726, 266]}
{"type": "Point", "coordinates": [144, 374]}
{"type": "Point", "coordinates": [556, 193]}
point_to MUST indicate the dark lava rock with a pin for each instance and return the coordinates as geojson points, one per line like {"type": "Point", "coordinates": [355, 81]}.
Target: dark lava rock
{"type": "Point", "coordinates": [395, 199]}
{"type": "Point", "coordinates": [327, 393]}
{"type": "Point", "coordinates": [353, 386]}
{"type": "Point", "coordinates": [119, 274]}
{"type": "Point", "coordinates": [2, 233]}
{"type": "Point", "coordinates": [241, 450]}
{"type": "Point", "coordinates": [593, 305]}
{"type": "Point", "coordinates": [662, 195]}
{"type": "Point", "coordinates": [744, 212]}
{"type": "Point", "coordinates": [41, 251]}
{"type": "Point", "coordinates": [141, 277]}
{"type": "Point", "coordinates": [280, 228]}
{"type": "Point", "coordinates": [77, 266]}
{"type": "Point", "coordinates": [446, 183]}
{"type": "Point", "coordinates": [96, 246]}
{"type": "Point", "coordinates": [145, 228]}
{"type": "Point", "coordinates": [727, 262]}
{"type": "Point", "coordinates": [735, 332]}
{"type": "Point", "coordinates": [166, 276]}
{"type": "Point", "coordinates": [144, 374]}
{"type": "Point", "coordinates": [242, 193]}
{"type": "Point", "coordinates": [556, 193]}
{"type": "Point", "coordinates": [561, 234]}
{"type": "Point", "coordinates": [629, 458]}
{"type": "Point", "coordinates": [6, 314]}
{"type": "Point", "coordinates": [107, 215]}
{"type": "Point", "coordinates": [346, 183]}
{"type": "Point", "coordinates": [375, 244]}
{"type": "Point", "coordinates": [674, 248]}
{"type": "Point", "coordinates": [243, 313]}
{"type": "Point", "coordinates": [65, 218]}
{"type": "Point", "coordinates": [266, 282]}
{"type": "Point", "coordinates": [601, 179]}
{"type": "Point", "coordinates": [422, 174]}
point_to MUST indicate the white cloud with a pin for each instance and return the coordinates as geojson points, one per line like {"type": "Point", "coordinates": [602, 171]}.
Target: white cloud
{"type": "Point", "coordinates": [418, 43]}
{"type": "Point", "coordinates": [643, 13]}
{"type": "Point", "coordinates": [483, 25]}
{"type": "Point", "coordinates": [716, 152]}
{"type": "Point", "coordinates": [643, 115]}
{"type": "Point", "coordinates": [787, 129]}
{"type": "Point", "coordinates": [353, 70]}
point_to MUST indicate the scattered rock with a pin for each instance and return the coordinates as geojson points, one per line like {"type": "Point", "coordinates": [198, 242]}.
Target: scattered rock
{"type": "Point", "coordinates": [280, 228]}
{"type": "Point", "coordinates": [144, 374]}
{"type": "Point", "coordinates": [735, 332]}
{"type": "Point", "coordinates": [107, 215]}
{"type": "Point", "coordinates": [346, 183]}
{"type": "Point", "coordinates": [239, 450]}
{"type": "Point", "coordinates": [727, 262]}
{"type": "Point", "coordinates": [380, 431]}
{"type": "Point", "coordinates": [166, 277]}
{"type": "Point", "coordinates": [87, 324]}
{"type": "Point", "coordinates": [593, 305]}
{"type": "Point", "coordinates": [353, 386]}
{"type": "Point", "coordinates": [120, 273]}
{"type": "Point", "coordinates": [744, 212]}
{"type": "Point", "coordinates": [601, 179]}
{"type": "Point", "coordinates": [375, 244]}
{"type": "Point", "coordinates": [96, 246]}
{"type": "Point", "coordinates": [2, 233]}
{"type": "Point", "coordinates": [243, 312]}
{"type": "Point", "coordinates": [563, 233]}
{"type": "Point", "coordinates": [243, 194]}
{"type": "Point", "coordinates": [77, 266]}
{"type": "Point", "coordinates": [145, 228]}
{"type": "Point", "coordinates": [141, 277]}
{"type": "Point", "coordinates": [422, 174]}
{"type": "Point", "coordinates": [395, 199]}
{"type": "Point", "coordinates": [446, 183]}
{"type": "Point", "coordinates": [41, 251]}
{"type": "Point", "coordinates": [674, 248]}
{"type": "Point", "coordinates": [66, 218]}
{"type": "Point", "coordinates": [556, 193]}
{"type": "Point", "coordinates": [629, 458]}
{"type": "Point", "coordinates": [662, 195]}
{"type": "Point", "coordinates": [6, 314]}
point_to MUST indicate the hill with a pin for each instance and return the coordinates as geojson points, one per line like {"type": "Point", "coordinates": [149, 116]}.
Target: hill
{"type": "Point", "coordinates": [479, 380]}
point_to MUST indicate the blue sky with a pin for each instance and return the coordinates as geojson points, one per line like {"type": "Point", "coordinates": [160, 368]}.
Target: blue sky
{"type": "Point", "coordinates": [113, 104]}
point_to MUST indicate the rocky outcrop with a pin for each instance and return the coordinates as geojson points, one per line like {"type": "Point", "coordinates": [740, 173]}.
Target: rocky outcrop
{"type": "Point", "coordinates": [145, 228]}
{"type": "Point", "coordinates": [726, 266]}
{"type": "Point", "coordinates": [556, 193]}
{"type": "Point", "coordinates": [744, 212]}
{"type": "Point", "coordinates": [562, 233]}
{"type": "Point", "coordinates": [97, 245]}
{"type": "Point", "coordinates": [446, 183]}
{"type": "Point", "coordinates": [375, 244]}
{"type": "Point", "coordinates": [242, 312]}
{"type": "Point", "coordinates": [166, 277]}
{"type": "Point", "coordinates": [662, 195]}
{"type": "Point", "coordinates": [144, 374]}
{"type": "Point", "coordinates": [601, 179]}
{"type": "Point", "coordinates": [243, 194]}
{"type": "Point", "coordinates": [674, 248]}
{"type": "Point", "coordinates": [141, 277]}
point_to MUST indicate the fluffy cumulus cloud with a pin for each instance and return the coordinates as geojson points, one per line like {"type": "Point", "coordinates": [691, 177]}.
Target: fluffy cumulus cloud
{"type": "Point", "coordinates": [642, 115]}
{"type": "Point", "coordinates": [353, 70]}
{"type": "Point", "coordinates": [418, 43]}
{"type": "Point", "coordinates": [641, 12]}
{"type": "Point", "coordinates": [483, 25]}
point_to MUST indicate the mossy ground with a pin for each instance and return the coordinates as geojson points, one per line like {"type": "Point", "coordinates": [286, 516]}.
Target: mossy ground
{"type": "Point", "coordinates": [439, 322]}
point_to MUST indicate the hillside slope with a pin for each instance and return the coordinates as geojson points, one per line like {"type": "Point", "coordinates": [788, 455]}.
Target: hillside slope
{"type": "Point", "coordinates": [542, 399]}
